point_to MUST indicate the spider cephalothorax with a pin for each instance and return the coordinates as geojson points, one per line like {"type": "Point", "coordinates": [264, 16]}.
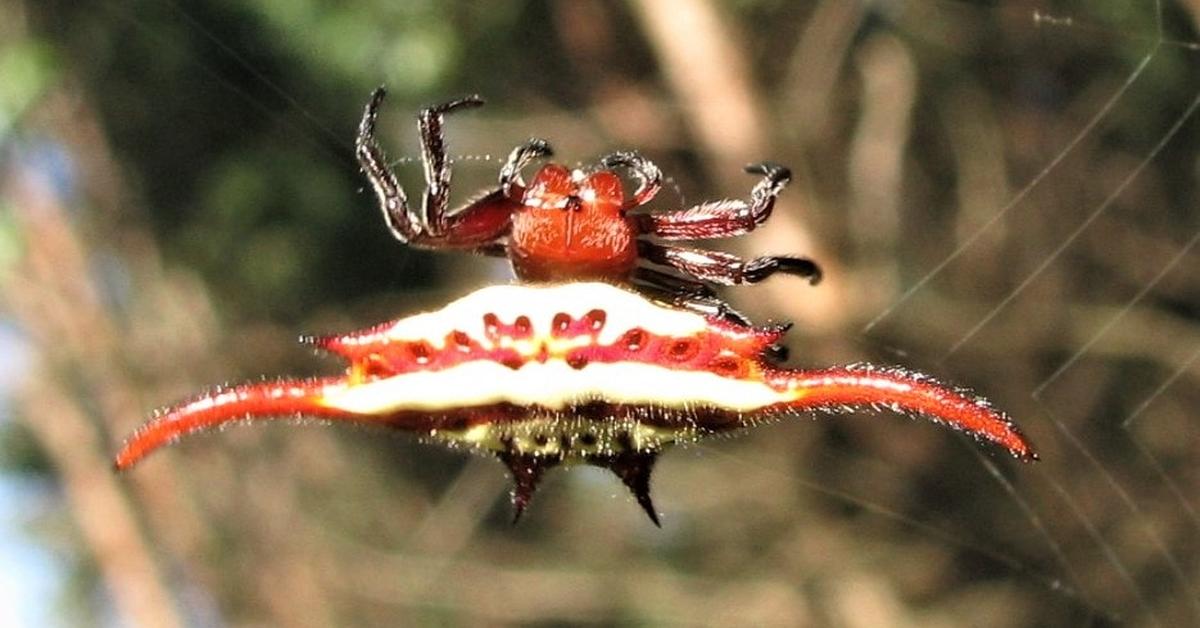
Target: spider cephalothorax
{"type": "Point", "coordinates": [575, 370]}
{"type": "Point", "coordinates": [573, 225]}
{"type": "Point", "coordinates": [576, 373]}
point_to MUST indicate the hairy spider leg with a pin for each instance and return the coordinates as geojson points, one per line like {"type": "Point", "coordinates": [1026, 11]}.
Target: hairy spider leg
{"type": "Point", "coordinates": [723, 218]}
{"type": "Point", "coordinates": [483, 221]}
{"type": "Point", "coordinates": [648, 175]}
{"type": "Point", "coordinates": [683, 288]}
{"type": "Point", "coordinates": [436, 201]}
{"type": "Point", "coordinates": [706, 220]}
{"type": "Point", "coordinates": [718, 219]}
{"type": "Point", "coordinates": [510, 174]}
{"type": "Point", "coordinates": [725, 268]}
{"type": "Point", "coordinates": [404, 223]}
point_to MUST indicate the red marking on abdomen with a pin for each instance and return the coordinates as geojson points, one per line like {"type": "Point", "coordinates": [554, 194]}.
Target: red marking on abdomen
{"type": "Point", "coordinates": [871, 387]}
{"type": "Point", "coordinates": [375, 355]}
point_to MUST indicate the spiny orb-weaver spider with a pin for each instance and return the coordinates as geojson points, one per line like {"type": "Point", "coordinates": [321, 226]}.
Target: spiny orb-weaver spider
{"type": "Point", "coordinates": [570, 366]}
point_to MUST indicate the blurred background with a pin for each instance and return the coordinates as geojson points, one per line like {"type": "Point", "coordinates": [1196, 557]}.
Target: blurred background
{"type": "Point", "coordinates": [1002, 194]}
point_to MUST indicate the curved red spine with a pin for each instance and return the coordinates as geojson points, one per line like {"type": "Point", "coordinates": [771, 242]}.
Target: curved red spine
{"type": "Point", "coordinates": [857, 386]}
{"type": "Point", "coordinates": [282, 399]}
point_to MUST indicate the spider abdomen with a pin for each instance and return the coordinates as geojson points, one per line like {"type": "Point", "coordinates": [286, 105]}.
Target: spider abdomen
{"type": "Point", "coordinates": [574, 373]}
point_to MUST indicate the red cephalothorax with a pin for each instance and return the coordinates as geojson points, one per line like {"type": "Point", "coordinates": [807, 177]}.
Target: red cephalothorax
{"type": "Point", "coordinates": [578, 370]}
{"type": "Point", "coordinates": [573, 226]}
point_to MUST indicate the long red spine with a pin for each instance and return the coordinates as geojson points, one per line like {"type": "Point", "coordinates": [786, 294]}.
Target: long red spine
{"type": "Point", "coordinates": [859, 386]}
{"type": "Point", "coordinates": [283, 399]}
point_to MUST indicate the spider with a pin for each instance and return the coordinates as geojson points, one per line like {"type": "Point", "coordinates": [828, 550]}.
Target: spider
{"type": "Point", "coordinates": [569, 366]}
{"type": "Point", "coordinates": [578, 225]}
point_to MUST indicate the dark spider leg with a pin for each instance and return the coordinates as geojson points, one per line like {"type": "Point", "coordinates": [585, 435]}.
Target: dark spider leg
{"type": "Point", "coordinates": [698, 297]}
{"type": "Point", "coordinates": [689, 293]}
{"type": "Point", "coordinates": [482, 222]}
{"type": "Point", "coordinates": [495, 249]}
{"type": "Point", "coordinates": [437, 171]}
{"type": "Point", "coordinates": [403, 223]}
{"type": "Point", "coordinates": [648, 175]}
{"type": "Point", "coordinates": [521, 156]}
{"type": "Point", "coordinates": [682, 287]}
{"type": "Point", "coordinates": [721, 219]}
{"type": "Point", "coordinates": [406, 224]}
{"type": "Point", "coordinates": [726, 269]}
{"type": "Point", "coordinates": [707, 306]}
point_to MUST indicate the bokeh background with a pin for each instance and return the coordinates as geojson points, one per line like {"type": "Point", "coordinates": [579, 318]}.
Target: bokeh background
{"type": "Point", "coordinates": [1002, 194]}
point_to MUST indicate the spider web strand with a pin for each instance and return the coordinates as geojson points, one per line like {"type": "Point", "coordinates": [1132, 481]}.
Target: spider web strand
{"type": "Point", "coordinates": [1123, 495]}
{"type": "Point", "coordinates": [1075, 591]}
{"type": "Point", "coordinates": [1087, 129]}
{"type": "Point", "coordinates": [1109, 555]}
{"type": "Point", "coordinates": [1074, 235]}
{"type": "Point", "coordinates": [1171, 485]}
{"type": "Point", "coordinates": [1162, 388]}
{"type": "Point", "coordinates": [1037, 392]}
{"type": "Point", "coordinates": [1016, 566]}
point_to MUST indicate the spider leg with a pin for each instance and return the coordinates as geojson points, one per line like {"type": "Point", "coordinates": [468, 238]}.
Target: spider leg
{"type": "Point", "coordinates": [701, 304]}
{"type": "Point", "coordinates": [483, 221]}
{"type": "Point", "coordinates": [726, 269]}
{"type": "Point", "coordinates": [724, 218]}
{"type": "Point", "coordinates": [403, 223]}
{"type": "Point", "coordinates": [648, 175]}
{"type": "Point", "coordinates": [679, 287]}
{"type": "Point", "coordinates": [510, 175]}
{"type": "Point", "coordinates": [437, 166]}
{"type": "Point", "coordinates": [494, 249]}
{"type": "Point", "coordinates": [698, 297]}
